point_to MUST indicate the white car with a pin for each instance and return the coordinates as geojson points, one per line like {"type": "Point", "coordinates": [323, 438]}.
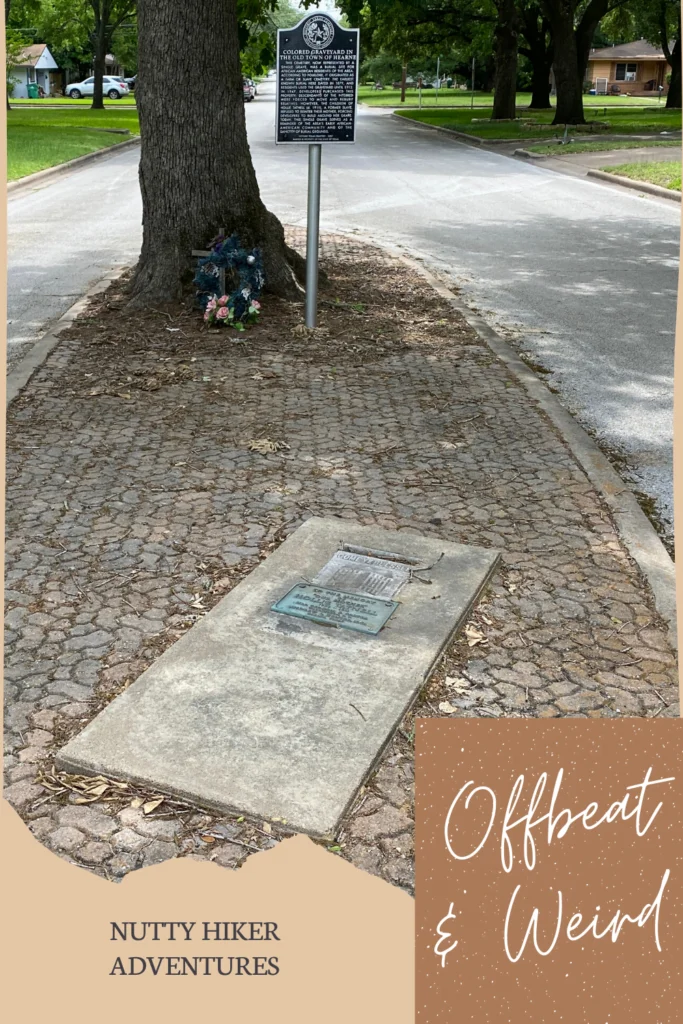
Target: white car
{"type": "Point", "coordinates": [113, 88]}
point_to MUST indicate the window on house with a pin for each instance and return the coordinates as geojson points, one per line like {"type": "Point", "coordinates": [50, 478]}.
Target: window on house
{"type": "Point", "coordinates": [31, 74]}
{"type": "Point", "coordinates": [626, 72]}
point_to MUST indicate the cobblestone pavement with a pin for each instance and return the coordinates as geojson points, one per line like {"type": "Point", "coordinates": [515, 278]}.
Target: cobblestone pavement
{"type": "Point", "coordinates": [134, 503]}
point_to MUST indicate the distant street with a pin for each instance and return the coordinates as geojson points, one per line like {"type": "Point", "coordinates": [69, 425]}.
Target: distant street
{"type": "Point", "coordinates": [581, 276]}
{"type": "Point", "coordinates": [63, 236]}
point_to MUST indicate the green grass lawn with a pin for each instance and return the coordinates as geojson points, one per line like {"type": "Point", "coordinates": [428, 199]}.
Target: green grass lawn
{"type": "Point", "coordinates": [459, 98]}
{"type": "Point", "coordinates": [33, 149]}
{"type": "Point", "coordinates": [538, 125]}
{"type": "Point", "coordinates": [37, 139]}
{"type": "Point", "coordinates": [51, 101]}
{"type": "Point", "coordinates": [598, 147]}
{"type": "Point", "coordinates": [666, 173]}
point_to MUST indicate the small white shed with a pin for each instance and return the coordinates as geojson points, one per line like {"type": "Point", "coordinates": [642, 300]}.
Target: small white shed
{"type": "Point", "coordinates": [35, 66]}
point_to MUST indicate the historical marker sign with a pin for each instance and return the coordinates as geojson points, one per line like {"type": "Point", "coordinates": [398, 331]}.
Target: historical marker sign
{"type": "Point", "coordinates": [362, 574]}
{"type": "Point", "coordinates": [359, 612]}
{"type": "Point", "coordinates": [317, 82]}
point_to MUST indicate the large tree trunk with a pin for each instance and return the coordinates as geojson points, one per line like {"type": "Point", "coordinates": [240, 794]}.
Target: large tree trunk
{"type": "Point", "coordinates": [539, 53]}
{"type": "Point", "coordinates": [673, 56]}
{"type": "Point", "coordinates": [8, 4]}
{"type": "Point", "coordinates": [585, 30]}
{"type": "Point", "coordinates": [196, 174]}
{"type": "Point", "coordinates": [673, 98]}
{"type": "Point", "coordinates": [101, 11]}
{"type": "Point", "coordinates": [568, 80]}
{"type": "Point", "coordinates": [505, 53]}
{"type": "Point", "coordinates": [540, 82]}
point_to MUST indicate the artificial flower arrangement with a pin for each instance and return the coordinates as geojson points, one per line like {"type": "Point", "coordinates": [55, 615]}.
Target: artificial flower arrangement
{"type": "Point", "coordinates": [241, 307]}
{"type": "Point", "coordinates": [220, 312]}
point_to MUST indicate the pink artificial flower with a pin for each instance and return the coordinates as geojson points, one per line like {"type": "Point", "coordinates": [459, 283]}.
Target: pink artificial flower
{"type": "Point", "coordinates": [255, 304]}
{"type": "Point", "coordinates": [211, 304]}
{"type": "Point", "coordinates": [207, 314]}
{"type": "Point", "coordinates": [223, 301]}
{"type": "Point", "coordinates": [223, 313]}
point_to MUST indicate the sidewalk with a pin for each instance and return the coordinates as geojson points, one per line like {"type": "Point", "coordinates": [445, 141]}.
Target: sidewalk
{"type": "Point", "coordinates": [134, 502]}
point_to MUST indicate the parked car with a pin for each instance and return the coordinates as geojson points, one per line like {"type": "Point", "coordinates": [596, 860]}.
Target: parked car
{"type": "Point", "coordinates": [113, 88]}
{"type": "Point", "coordinates": [247, 91]}
{"type": "Point", "coordinates": [130, 82]}
{"type": "Point", "coordinates": [252, 83]}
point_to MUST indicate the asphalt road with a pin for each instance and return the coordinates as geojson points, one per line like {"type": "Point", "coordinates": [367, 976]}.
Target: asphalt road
{"type": "Point", "coordinates": [581, 276]}
{"type": "Point", "coordinates": [63, 236]}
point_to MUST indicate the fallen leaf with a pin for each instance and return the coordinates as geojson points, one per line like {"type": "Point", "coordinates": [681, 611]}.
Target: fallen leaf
{"type": "Point", "coordinates": [99, 790]}
{"type": "Point", "coordinates": [151, 805]}
{"type": "Point", "coordinates": [474, 636]}
{"type": "Point", "coordinates": [265, 446]}
{"type": "Point", "coordinates": [221, 585]}
{"type": "Point", "coordinates": [207, 839]}
{"type": "Point", "coordinates": [137, 802]}
{"type": "Point", "coordinates": [447, 708]}
{"type": "Point", "coordinates": [266, 827]}
{"type": "Point", "coordinates": [448, 445]}
{"type": "Point", "coordinates": [457, 683]}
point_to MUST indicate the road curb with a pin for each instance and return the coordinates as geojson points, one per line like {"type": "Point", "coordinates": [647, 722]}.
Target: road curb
{"type": "Point", "coordinates": [634, 528]}
{"type": "Point", "coordinates": [20, 375]}
{"type": "Point", "coordinates": [55, 172]}
{"type": "Point", "coordinates": [526, 155]}
{"type": "Point", "coordinates": [460, 136]}
{"type": "Point", "coordinates": [639, 186]}
{"type": "Point", "coordinates": [477, 140]}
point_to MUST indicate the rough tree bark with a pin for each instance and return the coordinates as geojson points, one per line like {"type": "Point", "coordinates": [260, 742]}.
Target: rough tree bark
{"type": "Point", "coordinates": [196, 174]}
{"type": "Point", "coordinates": [585, 31]}
{"type": "Point", "coordinates": [568, 79]}
{"type": "Point", "coordinates": [8, 4]}
{"type": "Point", "coordinates": [505, 54]}
{"type": "Point", "coordinates": [539, 53]}
{"type": "Point", "coordinates": [673, 98]}
{"type": "Point", "coordinates": [673, 56]}
{"type": "Point", "coordinates": [102, 13]}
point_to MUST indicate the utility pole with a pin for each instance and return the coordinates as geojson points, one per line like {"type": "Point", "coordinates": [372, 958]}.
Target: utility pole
{"type": "Point", "coordinates": [472, 103]}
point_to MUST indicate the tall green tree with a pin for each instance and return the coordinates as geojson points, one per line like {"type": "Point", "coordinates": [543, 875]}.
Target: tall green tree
{"type": "Point", "coordinates": [108, 16]}
{"type": "Point", "coordinates": [196, 173]}
{"type": "Point", "coordinates": [536, 44]}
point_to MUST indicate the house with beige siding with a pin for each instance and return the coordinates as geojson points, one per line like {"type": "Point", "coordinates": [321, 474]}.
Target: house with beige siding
{"type": "Point", "coordinates": [630, 69]}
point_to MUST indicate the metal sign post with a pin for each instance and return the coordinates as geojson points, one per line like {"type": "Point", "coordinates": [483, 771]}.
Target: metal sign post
{"type": "Point", "coordinates": [317, 87]}
{"type": "Point", "coordinates": [313, 233]}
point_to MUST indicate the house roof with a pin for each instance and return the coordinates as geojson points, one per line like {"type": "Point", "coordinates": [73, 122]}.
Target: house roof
{"type": "Point", "coordinates": [31, 55]}
{"type": "Point", "coordinates": [639, 50]}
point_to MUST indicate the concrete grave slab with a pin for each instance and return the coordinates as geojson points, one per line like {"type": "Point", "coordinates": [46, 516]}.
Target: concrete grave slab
{"type": "Point", "coordinates": [274, 715]}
